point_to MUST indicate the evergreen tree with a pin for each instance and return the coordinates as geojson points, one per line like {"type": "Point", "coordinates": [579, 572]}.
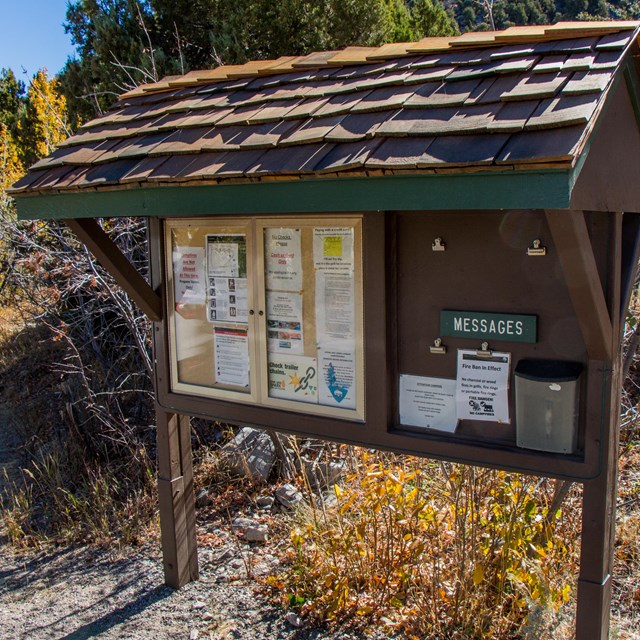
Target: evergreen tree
{"type": "Point", "coordinates": [12, 101]}
{"type": "Point", "coordinates": [428, 18]}
{"type": "Point", "coordinates": [122, 43]}
{"type": "Point", "coordinates": [117, 49]}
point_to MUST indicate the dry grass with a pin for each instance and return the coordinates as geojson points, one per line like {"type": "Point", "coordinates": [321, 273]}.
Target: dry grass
{"type": "Point", "coordinates": [626, 585]}
{"type": "Point", "coordinates": [62, 493]}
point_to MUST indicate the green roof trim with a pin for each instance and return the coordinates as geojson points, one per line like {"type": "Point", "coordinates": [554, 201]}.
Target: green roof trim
{"type": "Point", "coordinates": [472, 191]}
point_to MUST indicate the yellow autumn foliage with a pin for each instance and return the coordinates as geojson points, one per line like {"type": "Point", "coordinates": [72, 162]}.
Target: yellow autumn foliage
{"type": "Point", "coordinates": [11, 168]}
{"type": "Point", "coordinates": [46, 122]}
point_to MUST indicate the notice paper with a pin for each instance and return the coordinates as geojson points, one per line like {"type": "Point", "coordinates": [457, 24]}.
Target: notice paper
{"type": "Point", "coordinates": [482, 390]}
{"type": "Point", "coordinates": [228, 300]}
{"type": "Point", "coordinates": [231, 356]}
{"type": "Point", "coordinates": [284, 322]}
{"type": "Point", "coordinates": [333, 249]}
{"type": "Point", "coordinates": [283, 262]}
{"type": "Point", "coordinates": [293, 378]}
{"type": "Point", "coordinates": [428, 402]}
{"type": "Point", "coordinates": [337, 384]}
{"type": "Point", "coordinates": [335, 307]}
{"type": "Point", "coordinates": [188, 276]}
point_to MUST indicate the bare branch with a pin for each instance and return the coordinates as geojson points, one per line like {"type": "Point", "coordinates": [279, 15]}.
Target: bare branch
{"type": "Point", "coordinates": [179, 45]}
{"type": "Point", "coordinates": [151, 50]}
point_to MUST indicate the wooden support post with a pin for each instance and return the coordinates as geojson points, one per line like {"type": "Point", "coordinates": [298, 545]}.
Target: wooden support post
{"type": "Point", "coordinates": [598, 532]}
{"type": "Point", "coordinates": [176, 498]}
{"type": "Point", "coordinates": [599, 494]}
{"type": "Point", "coordinates": [571, 239]}
{"type": "Point", "coordinates": [114, 261]}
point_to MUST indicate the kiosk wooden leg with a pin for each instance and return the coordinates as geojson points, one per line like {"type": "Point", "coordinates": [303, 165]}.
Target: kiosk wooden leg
{"type": "Point", "coordinates": [176, 498]}
{"type": "Point", "coordinates": [598, 535]}
{"type": "Point", "coordinates": [594, 583]}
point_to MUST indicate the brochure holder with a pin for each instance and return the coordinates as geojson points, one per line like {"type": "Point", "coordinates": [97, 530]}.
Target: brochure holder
{"type": "Point", "coordinates": [547, 395]}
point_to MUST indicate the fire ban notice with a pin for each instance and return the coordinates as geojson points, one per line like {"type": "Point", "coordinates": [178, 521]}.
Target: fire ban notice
{"type": "Point", "coordinates": [482, 386]}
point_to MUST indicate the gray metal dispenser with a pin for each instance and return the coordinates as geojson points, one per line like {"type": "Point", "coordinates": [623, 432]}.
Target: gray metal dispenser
{"type": "Point", "coordinates": [547, 398]}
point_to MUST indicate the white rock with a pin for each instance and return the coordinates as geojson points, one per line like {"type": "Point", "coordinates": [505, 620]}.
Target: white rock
{"type": "Point", "coordinates": [265, 502]}
{"type": "Point", "coordinates": [240, 524]}
{"type": "Point", "coordinates": [225, 554]}
{"type": "Point", "coordinates": [322, 474]}
{"type": "Point", "coordinates": [194, 635]}
{"type": "Point", "coordinates": [256, 534]}
{"type": "Point", "coordinates": [251, 454]}
{"type": "Point", "coordinates": [293, 619]}
{"type": "Point", "coordinates": [288, 496]}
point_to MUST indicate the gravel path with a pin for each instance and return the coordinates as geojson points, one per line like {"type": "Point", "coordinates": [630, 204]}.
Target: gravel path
{"type": "Point", "coordinates": [88, 592]}
{"type": "Point", "coordinates": [80, 593]}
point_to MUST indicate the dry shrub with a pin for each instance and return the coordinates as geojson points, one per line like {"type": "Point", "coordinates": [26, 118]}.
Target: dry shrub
{"type": "Point", "coordinates": [437, 550]}
{"type": "Point", "coordinates": [76, 377]}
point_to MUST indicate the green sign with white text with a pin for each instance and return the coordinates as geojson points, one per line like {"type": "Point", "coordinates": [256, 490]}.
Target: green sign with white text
{"type": "Point", "coordinates": [509, 327]}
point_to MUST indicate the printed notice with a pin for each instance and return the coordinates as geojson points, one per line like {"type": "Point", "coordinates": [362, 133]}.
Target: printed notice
{"type": "Point", "coordinates": [284, 322]}
{"type": "Point", "coordinates": [482, 389]}
{"type": "Point", "coordinates": [231, 356]}
{"type": "Point", "coordinates": [227, 300]}
{"type": "Point", "coordinates": [226, 256]}
{"type": "Point", "coordinates": [283, 263]}
{"type": "Point", "coordinates": [293, 378]}
{"type": "Point", "coordinates": [337, 384]}
{"type": "Point", "coordinates": [188, 276]}
{"type": "Point", "coordinates": [428, 402]}
{"type": "Point", "coordinates": [333, 249]}
{"type": "Point", "coordinates": [335, 307]}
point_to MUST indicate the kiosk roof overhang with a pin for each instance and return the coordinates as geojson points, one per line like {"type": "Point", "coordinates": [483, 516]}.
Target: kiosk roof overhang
{"type": "Point", "coordinates": [482, 121]}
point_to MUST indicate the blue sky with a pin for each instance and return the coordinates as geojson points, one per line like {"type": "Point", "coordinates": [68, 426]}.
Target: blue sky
{"type": "Point", "coordinates": [32, 36]}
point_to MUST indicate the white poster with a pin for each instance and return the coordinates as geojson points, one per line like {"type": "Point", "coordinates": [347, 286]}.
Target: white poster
{"type": "Point", "coordinates": [284, 322]}
{"type": "Point", "coordinates": [283, 262]}
{"type": "Point", "coordinates": [337, 383]}
{"type": "Point", "coordinates": [335, 307]}
{"type": "Point", "coordinates": [226, 256]}
{"type": "Point", "coordinates": [482, 389]}
{"type": "Point", "coordinates": [231, 356]}
{"type": "Point", "coordinates": [228, 301]}
{"type": "Point", "coordinates": [293, 378]}
{"type": "Point", "coordinates": [333, 249]}
{"type": "Point", "coordinates": [188, 276]}
{"type": "Point", "coordinates": [428, 402]}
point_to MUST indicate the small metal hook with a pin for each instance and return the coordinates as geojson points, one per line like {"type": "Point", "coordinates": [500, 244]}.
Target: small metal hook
{"type": "Point", "coordinates": [438, 245]}
{"type": "Point", "coordinates": [536, 248]}
{"type": "Point", "coordinates": [437, 346]}
{"type": "Point", "coordinates": [484, 352]}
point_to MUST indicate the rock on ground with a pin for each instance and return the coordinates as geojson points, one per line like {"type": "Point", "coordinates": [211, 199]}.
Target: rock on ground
{"type": "Point", "coordinates": [251, 454]}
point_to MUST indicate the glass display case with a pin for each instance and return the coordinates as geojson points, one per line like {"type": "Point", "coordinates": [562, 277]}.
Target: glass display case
{"type": "Point", "coordinates": [268, 311]}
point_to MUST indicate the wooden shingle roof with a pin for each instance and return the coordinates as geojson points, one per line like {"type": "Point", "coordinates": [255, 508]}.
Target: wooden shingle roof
{"type": "Point", "coordinates": [524, 99]}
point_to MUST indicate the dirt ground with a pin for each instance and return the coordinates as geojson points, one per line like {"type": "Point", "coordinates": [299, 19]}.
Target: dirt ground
{"type": "Point", "coordinates": [74, 593]}
{"type": "Point", "coordinates": [78, 593]}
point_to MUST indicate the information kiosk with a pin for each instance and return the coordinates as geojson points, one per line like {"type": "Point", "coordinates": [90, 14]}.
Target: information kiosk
{"type": "Point", "coordinates": [427, 248]}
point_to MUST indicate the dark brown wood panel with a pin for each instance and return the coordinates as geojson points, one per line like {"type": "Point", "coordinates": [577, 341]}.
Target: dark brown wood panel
{"type": "Point", "coordinates": [406, 285]}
